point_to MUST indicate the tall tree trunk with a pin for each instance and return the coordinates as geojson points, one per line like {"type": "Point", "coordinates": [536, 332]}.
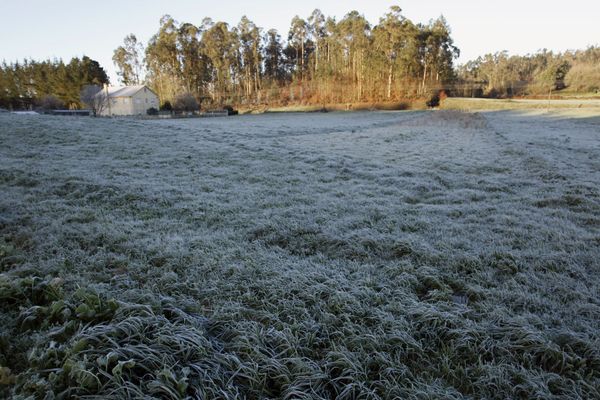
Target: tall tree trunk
{"type": "Point", "coordinates": [354, 75]}
{"type": "Point", "coordinates": [297, 58]}
{"type": "Point", "coordinates": [390, 74]}
{"type": "Point", "coordinates": [317, 58]}
{"type": "Point", "coordinates": [360, 76]}
{"type": "Point", "coordinates": [424, 77]}
{"type": "Point", "coordinates": [302, 55]}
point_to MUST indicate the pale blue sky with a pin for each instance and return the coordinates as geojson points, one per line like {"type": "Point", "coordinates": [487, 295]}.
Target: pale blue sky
{"type": "Point", "coordinates": [65, 28]}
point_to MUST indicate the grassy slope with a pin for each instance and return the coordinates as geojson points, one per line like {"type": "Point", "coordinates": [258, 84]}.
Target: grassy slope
{"type": "Point", "coordinates": [463, 103]}
{"type": "Point", "coordinates": [372, 255]}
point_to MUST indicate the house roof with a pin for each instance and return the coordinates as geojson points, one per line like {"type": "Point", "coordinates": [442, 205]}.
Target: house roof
{"type": "Point", "coordinates": [124, 91]}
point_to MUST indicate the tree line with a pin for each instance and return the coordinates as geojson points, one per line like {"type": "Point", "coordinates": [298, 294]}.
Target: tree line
{"type": "Point", "coordinates": [52, 82]}
{"type": "Point", "coordinates": [542, 73]}
{"type": "Point", "coordinates": [320, 60]}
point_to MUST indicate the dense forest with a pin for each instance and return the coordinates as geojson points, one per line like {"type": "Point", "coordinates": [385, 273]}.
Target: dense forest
{"type": "Point", "coordinates": [33, 84]}
{"type": "Point", "coordinates": [320, 60]}
{"type": "Point", "coordinates": [542, 73]}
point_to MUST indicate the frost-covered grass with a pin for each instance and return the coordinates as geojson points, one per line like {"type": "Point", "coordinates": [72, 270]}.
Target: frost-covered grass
{"type": "Point", "coordinates": [361, 255]}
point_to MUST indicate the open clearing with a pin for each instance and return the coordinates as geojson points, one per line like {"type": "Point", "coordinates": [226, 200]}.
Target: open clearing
{"type": "Point", "coordinates": [363, 255]}
{"type": "Point", "coordinates": [465, 103]}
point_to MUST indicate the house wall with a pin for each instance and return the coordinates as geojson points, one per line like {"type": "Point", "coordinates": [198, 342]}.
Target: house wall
{"type": "Point", "coordinates": [138, 104]}
{"type": "Point", "coordinates": [143, 100]}
{"type": "Point", "coordinates": [119, 106]}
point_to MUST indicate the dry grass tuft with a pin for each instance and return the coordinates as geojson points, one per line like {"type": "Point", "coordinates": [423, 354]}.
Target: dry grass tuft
{"type": "Point", "coordinates": [449, 119]}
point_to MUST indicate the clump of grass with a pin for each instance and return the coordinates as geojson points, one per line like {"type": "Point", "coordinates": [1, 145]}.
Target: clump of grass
{"type": "Point", "coordinates": [503, 263]}
{"type": "Point", "coordinates": [11, 250]}
{"type": "Point", "coordinates": [310, 242]}
{"type": "Point", "coordinates": [569, 201]}
{"type": "Point", "coordinates": [449, 118]}
{"type": "Point", "coordinates": [8, 256]}
{"type": "Point", "coordinates": [28, 291]}
{"type": "Point", "coordinates": [102, 348]}
{"type": "Point", "coordinates": [136, 353]}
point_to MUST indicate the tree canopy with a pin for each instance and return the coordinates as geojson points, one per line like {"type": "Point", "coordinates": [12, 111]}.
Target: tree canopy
{"type": "Point", "coordinates": [503, 75]}
{"type": "Point", "coordinates": [24, 83]}
{"type": "Point", "coordinates": [321, 59]}
{"type": "Point", "coordinates": [318, 60]}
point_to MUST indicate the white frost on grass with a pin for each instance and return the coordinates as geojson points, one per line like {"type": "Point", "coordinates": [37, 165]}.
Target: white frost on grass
{"type": "Point", "coordinates": [341, 255]}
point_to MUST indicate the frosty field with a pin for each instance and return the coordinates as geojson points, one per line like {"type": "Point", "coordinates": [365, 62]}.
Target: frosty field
{"type": "Point", "coordinates": [388, 255]}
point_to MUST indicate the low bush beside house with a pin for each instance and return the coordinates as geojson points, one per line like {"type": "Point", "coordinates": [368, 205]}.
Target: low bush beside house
{"type": "Point", "coordinates": [49, 103]}
{"type": "Point", "coordinates": [186, 102]}
{"type": "Point", "coordinates": [166, 106]}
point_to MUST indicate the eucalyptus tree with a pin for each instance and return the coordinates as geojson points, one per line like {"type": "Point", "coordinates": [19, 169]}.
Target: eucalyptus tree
{"type": "Point", "coordinates": [317, 33]}
{"type": "Point", "coordinates": [437, 51]}
{"type": "Point", "coordinates": [221, 47]}
{"type": "Point", "coordinates": [396, 38]}
{"type": "Point", "coordinates": [297, 37]}
{"type": "Point", "coordinates": [249, 36]}
{"type": "Point", "coordinates": [446, 52]}
{"type": "Point", "coordinates": [336, 61]}
{"type": "Point", "coordinates": [194, 64]}
{"type": "Point", "coordinates": [354, 33]}
{"type": "Point", "coordinates": [273, 58]}
{"type": "Point", "coordinates": [162, 60]}
{"type": "Point", "coordinates": [332, 45]}
{"type": "Point", "coordinates": [129, 60]}
{"type": "Point", "coordinates": [388, 38]}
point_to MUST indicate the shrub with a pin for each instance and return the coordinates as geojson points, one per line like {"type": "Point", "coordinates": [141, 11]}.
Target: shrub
{"type": "Point", "coordinates": [166, 106]}
{"type": "Point", "coordinates": [230, 110]}
{"type": "Point", "coordinates": [152, 111]}
{"type": "Point", "coordinates": [185, 102]}
{"type": "Point", "coordinates": [584, 78]}
{"type": "Point", "coordinates": [50, 102]}
{"type": "Point", "coordinates": [434, 101]}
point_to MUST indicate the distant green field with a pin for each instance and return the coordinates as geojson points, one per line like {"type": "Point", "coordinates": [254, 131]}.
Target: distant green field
{"type": "Point", "coordinates": [460, 103]}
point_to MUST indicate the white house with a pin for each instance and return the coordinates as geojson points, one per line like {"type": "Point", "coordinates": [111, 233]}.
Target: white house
{"type": "Point", "coordinates": [127, 100]}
